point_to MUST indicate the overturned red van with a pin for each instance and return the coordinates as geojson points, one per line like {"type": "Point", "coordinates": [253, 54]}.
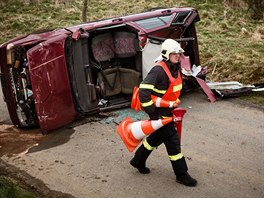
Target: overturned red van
{"type": "Point", "coordinates": [51, 78]}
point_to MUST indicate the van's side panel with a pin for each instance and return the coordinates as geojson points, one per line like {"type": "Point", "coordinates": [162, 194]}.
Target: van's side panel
{"type": "Point", "coordinates": [50, 84]}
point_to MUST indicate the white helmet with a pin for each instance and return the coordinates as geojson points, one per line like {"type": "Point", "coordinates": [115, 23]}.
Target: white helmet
{"type": "Point", "coordinates": [170, 46]}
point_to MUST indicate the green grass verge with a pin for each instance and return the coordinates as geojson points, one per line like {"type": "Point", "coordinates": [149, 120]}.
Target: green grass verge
{"type": "Point", "coordinates": [255, 97]}
{"type": "Point", "coordinates": [10, 189]}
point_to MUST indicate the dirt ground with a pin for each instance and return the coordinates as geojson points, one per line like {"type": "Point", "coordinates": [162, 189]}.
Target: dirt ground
{"type": "Point", "coordinates": [223, 143]}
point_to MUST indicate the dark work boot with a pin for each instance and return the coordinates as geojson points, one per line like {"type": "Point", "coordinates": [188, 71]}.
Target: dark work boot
{"type": "Point", "coordinates": [180, 170]}
{"type": "Point", "coordinates": [139, 160]}
{"type": "Point", "coordinates": [186, 180]}
{"type": "Point", "coordinates": [141, 169]}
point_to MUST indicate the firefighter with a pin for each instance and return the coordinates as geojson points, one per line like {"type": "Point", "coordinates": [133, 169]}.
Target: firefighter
{"type": "Point", "coordinates": [164, 80]}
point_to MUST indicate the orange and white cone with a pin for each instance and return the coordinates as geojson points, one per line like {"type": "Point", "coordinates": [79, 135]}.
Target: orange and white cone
{"type": "Point", "coordinates": [178, 114]}
{"type": "Point", "coordinates": [159, 102]}
{"type": "Point", "coordinates": [135, 103]}
{"type": "Point", "coordinates": [132, 132]}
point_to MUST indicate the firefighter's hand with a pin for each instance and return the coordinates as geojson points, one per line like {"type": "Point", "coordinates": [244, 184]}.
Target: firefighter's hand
{"type": "Point", "coordinates": [154, 116]}
{"type": "Point", "coordinates": [175, 104]}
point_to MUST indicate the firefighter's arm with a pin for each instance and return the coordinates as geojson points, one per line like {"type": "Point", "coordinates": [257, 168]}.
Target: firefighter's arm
{"type": "Point", "coordinates": [159, 102]}
{"type": "Point", "coordinates": [145, 90]}
{"type": "Point", "coordinates": [145, 97]}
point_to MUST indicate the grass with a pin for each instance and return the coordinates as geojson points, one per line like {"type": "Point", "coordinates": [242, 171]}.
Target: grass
{"type": "Point", "coordinates": [9, 189]}
{"type": "Point", "coordinates": [256, 98]}
{"type": "Point", "coordinates": [231, 43]}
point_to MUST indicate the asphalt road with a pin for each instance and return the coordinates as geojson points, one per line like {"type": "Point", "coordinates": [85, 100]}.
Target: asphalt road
{"type": "Point", "coordinates": [223, 143]}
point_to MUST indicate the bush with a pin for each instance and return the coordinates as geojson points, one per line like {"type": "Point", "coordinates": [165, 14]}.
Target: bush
{"type": "Point", "coordinates": [256, 7]}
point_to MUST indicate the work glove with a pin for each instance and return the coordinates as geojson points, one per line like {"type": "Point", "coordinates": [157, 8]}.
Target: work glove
{"type": "Point", "coordinates": [154, 115]}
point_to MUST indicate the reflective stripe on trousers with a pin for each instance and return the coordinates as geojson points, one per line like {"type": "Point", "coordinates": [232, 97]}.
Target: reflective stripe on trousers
{"type": "Point", "coordinates": [147, 145]}
{"type": "Point", "coordinates": [175, 157]}
{"type": "Point", "coordinates": [171, 157]}
{"type": "Point", "coordinates": [147, 104]}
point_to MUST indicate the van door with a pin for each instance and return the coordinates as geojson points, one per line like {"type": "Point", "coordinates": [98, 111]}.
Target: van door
{"type": "Point", "coordinates": [50, 84]}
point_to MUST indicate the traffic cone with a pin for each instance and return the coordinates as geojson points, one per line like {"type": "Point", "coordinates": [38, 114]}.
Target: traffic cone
{"type": "Point", "coordinates": [178, 114]}
{"type": "Point", "coordinates": [132, 132]}
{"type": "Point", "coordinates": [159, 102]}
{"type": "Point", "coordinates": [135, 103]}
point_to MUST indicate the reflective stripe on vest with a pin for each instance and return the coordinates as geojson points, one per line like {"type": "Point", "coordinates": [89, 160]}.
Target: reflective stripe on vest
{"type": "Point", "coordinates": [177, 88]}
{"type": "Point", "coordinates": [176, 157]}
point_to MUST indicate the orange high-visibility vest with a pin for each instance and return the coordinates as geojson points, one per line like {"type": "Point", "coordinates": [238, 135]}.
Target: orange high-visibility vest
{"type": "Point", "coordinates": [175, 87]}
{"type": "Point", "coordinates": [172, 93]}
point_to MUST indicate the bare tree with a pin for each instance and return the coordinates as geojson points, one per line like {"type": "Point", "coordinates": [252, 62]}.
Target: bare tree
{"type": "Point", "coordinates": [84, 11]}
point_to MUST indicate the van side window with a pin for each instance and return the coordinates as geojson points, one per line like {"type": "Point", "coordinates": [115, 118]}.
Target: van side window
{"type": "Point", "coordinates": [153, 22]}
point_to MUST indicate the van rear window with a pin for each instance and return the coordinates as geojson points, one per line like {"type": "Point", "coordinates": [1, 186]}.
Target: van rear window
{"type": "Point", "coordinates": [153, 22]}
